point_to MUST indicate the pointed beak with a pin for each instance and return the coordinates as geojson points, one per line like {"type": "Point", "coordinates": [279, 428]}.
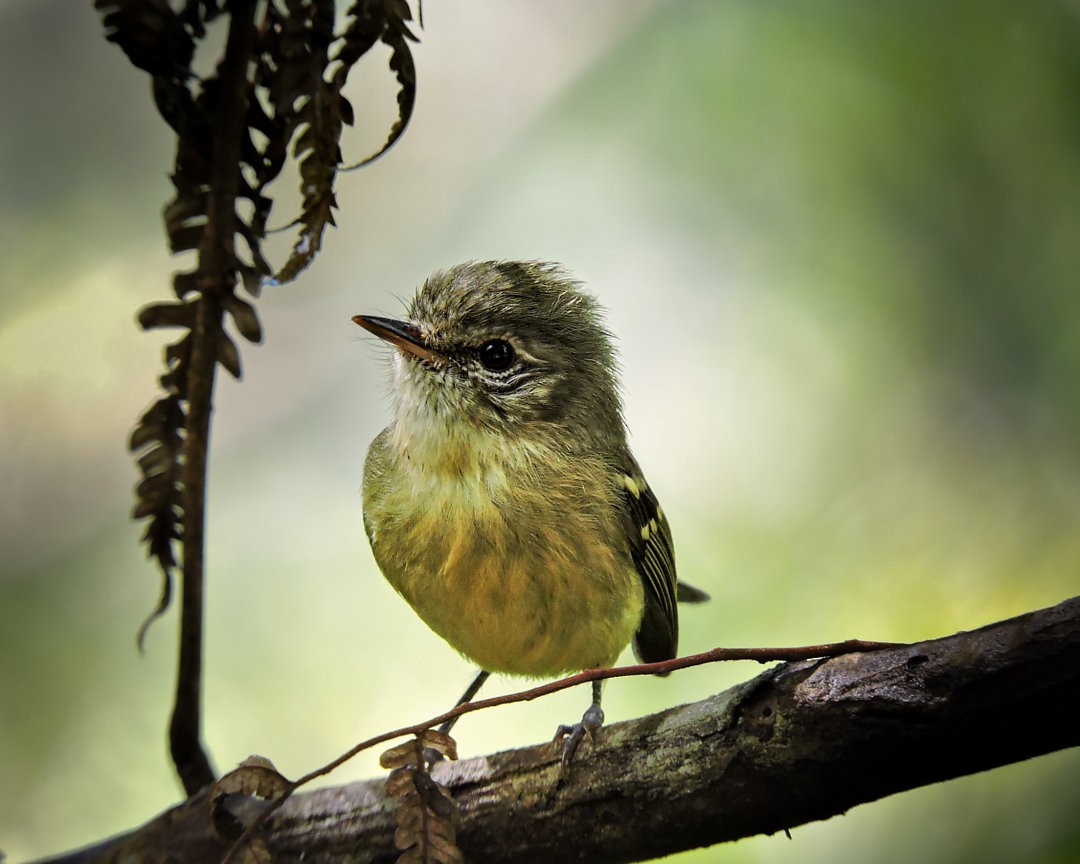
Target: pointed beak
{"type": "Point", "coordinates": [401, 334]}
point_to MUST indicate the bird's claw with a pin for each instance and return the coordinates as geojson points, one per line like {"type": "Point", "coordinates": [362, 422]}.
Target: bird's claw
{"type": "Point", "coordinates": [591, 721]}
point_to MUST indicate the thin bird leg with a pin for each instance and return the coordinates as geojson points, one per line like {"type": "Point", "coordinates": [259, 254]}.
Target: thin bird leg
{"type": "Point", "coordinates": [467, 696]}
{"type": "Point", "coordinates": [591, 720]}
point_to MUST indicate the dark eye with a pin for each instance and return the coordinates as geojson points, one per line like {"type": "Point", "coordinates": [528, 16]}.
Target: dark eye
{"type": "Point", "coordinates": [497, 355]}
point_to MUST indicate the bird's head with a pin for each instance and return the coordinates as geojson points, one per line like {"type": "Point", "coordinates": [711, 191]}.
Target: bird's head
{"type": "Point", "coordinates": [511, 348]}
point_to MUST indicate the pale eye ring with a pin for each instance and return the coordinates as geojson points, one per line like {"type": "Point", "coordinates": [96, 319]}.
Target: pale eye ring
{"type": "Point", "coordinates": [497, 355]}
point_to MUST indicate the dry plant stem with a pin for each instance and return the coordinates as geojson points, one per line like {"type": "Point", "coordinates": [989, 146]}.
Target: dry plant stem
{"type": "Point", "coordinates": [216, 278]}
{"type": "Point", "coordinates": [762, 655]}
{"type": "Point", "coordinates": [185, 743]}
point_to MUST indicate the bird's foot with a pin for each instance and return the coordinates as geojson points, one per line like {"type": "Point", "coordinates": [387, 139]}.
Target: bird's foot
{"type": "Point", "coordinates": [591, 721]}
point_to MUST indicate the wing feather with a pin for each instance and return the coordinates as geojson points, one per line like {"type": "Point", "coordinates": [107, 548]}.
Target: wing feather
{"type": "Point", "coordinates": [653, 554]}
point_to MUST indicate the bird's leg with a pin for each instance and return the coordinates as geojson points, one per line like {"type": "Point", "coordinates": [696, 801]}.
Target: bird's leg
{"type": "Point", "coordinates": [467, 696]}
{"type": "Point", "coordinates": [433, 756]}
{"type": "Point", "coordinates": [591, 720]}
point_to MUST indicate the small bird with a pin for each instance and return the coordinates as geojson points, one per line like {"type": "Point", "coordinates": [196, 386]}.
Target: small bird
{"type": "Point", "coordinates": [502, 502]}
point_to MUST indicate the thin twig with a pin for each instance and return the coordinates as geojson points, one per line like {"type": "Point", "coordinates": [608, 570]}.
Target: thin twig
{"type": "Point", "coordinates": [761, 655]}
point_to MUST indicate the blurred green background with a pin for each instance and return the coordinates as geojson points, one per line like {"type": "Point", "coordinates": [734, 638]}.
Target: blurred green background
{"type": "Point", "coordinates": [839, 242]}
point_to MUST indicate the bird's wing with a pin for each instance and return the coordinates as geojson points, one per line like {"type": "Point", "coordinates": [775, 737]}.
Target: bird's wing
{"type": "Point", "coordinates": [653, 554]}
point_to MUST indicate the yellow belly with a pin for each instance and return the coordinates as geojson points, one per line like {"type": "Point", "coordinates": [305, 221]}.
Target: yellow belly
{"type": "Point", "coordinates": [521, 582]}
{"type": "Point", "coordinates": [533, 613]}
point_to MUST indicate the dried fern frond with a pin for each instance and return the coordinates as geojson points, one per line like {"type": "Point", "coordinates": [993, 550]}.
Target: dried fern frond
{"type": "Point", "coordinates": [426, 814]}
{"type": "Point", "coordinates": [322, 115]}
{"type": "Point", "coordinates": [285, 94]}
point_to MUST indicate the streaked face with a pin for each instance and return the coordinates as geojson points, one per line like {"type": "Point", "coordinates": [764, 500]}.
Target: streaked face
{"type": "Point", "coordinates": [509, 347]}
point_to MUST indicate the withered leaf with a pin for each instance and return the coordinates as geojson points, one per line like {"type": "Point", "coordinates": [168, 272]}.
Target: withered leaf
{"type": "Point", "coordinates": [164, 598]}
{"type": "Point", "coordinates": [431, 855]}
{"type": "Point", "coordinates": [255, 777]}
{"type": "Point", "coordinates": [400, 783]}
{"type": "Point", "coordinates": [229, 355]}
{"type": "Point", "coordinates": [400, 755]}
{"type": "Point", "coordinates": [435, 797]}
{"type": "Point", "coordinates": [150, 34]}
{"type": "Point", "coordinates": [157, 441]}
{"type": "Point", "coordinates": [426, 812]}
{"type": "Point", "coordinates": [436, 740]}
{"type": "Point", "coordinates": [442, 847]}
{"type": "Point", "coordinates": [146, 433]}
{"type": "Point", "coordinates": [255, 851]}
{"type": "Point", "coordinates": [185, 283]}
{"type": "Point", "coordinates": [410, 822]}
{"type": "Point", "coordinates": [186, 237]}
{"type": "Point", "coordinates": [166, 315]}
{"type": "Point", "coordinates": [155, 460]}
{"type": "Point", "coordinates": [244, 317]}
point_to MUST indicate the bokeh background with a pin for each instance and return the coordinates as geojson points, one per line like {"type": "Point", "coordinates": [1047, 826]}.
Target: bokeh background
{"type": "Point", "coordinates": [839, 242]}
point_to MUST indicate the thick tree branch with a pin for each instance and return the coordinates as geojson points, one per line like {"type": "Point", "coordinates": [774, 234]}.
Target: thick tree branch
{"type": "Point", "coordinates": [801, 742]}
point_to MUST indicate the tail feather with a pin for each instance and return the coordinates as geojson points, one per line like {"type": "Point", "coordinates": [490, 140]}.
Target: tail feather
{"type": "Point", "coordinates": [690, 594]}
